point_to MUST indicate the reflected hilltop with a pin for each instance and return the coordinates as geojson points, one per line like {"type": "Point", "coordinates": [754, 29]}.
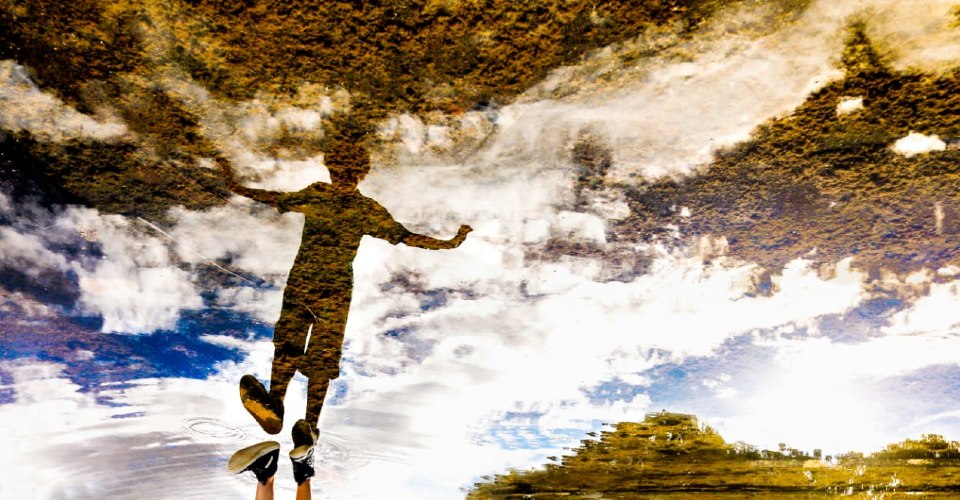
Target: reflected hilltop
{"type": "Point", "coordinates": [672, 455]}
{"type": "Point", "coordinates": [828, 176]}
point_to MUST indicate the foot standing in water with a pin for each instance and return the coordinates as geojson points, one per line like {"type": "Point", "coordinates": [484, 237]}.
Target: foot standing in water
{"type": "Point", "coordinates": [261, 460]}
{"type": "Point", "coordinates": [317, 295]}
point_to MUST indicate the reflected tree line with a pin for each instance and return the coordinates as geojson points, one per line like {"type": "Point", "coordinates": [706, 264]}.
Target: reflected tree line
{"type": "Point", "coordinates": [674, 456]}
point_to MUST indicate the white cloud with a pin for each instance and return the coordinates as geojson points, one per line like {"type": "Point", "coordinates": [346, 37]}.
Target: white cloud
{"type": "Point", "coordinates": [264, 305]}
{"type": "Point", "coordinates": [418, 137]}
{"type": "Point", "coordinates": [580, 226]}
{"type": "Point", "coordinates": [132, 283]}
{"type": "Point", "coordinates": [719, 386]}
{"type": "Point", "coordinates": [849, 105]}
{"type": "Point", "coordinates": [244, 131]}
{"type": "Point", "coordinates": [260, 240]}
{"type": "Point", "coordinates": [136, 287]}
{"type": "Point", "coordinates": [688, 309]}
{"type": "Point", "coordinates": [23, 106]}
{"type": "Point", "coordinates": [880, 357]}
{"type": "Point", "coordinates": [28, 253]}
{"type": "Point", "coordinates": [914, 144]}
{"type": "Point", "coordinates": [281, 175]}
{"type": "Point", "coordinates": [937, 312]}
{"type": "Point", "coordinates": [950, 270]}
{"type": "Point", "coordinates": [823, 394]}
{"type": "Point", "coordinates": [304, 119]}
{"type": "Point", "coordinates": [259, 121]}
{"type": "Point", "coordinates": [807, 410]}
{"type": "Point", "coordinates": [42, 400]}
{"type": "Point", "coordinates": [138, 300]}
{"type": "Point", "coordinates": [256, 361]}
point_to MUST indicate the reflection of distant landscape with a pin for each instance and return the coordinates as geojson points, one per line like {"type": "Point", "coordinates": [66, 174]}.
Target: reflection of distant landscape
{"type": "Point", "coordinates": [670, 455]}
{"type": "Point", "coordinates": [745, 211]}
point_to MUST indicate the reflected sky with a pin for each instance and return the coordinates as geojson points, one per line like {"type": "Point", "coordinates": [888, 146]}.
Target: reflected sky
{"type": "Point", "coordinates": [122, 340]}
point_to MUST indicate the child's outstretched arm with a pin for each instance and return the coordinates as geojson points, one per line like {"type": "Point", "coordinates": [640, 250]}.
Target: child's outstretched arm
{"type": "Point", "coordinates": [382, 225]}
{"type": "Point", "coordinates": [271, 198]}
{"type": "Point", "coordinates": [420, 241]}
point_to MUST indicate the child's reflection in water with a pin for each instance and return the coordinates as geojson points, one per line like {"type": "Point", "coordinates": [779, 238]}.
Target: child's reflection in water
{"type": "Point", "coordinates": [309, 334]}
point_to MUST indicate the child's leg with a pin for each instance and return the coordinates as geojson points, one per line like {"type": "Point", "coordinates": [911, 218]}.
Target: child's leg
{"type": "Point", "coordinates": [265, 491]}
{"type": "Point", "coordinates": [289, 337]}
{"type": "Point", "coordinates": [261, 460]}
{"type": "Point", "coordinates": [303, 491]}
{"type": "Point", "coordinates": [322, 361]}
{"type": "Point", "coordinates": [316, 393]}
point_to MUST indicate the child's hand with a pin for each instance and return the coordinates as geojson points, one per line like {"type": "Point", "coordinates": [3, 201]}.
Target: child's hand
{"type": "Point", "coordinates": [461, 235]}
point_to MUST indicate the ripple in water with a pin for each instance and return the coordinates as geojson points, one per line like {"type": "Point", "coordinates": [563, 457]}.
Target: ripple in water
{"type": "Point", "coordinates": [215, 428]}
{"type": "Point", "coordinates": [337, 450]}
{"type": "Point", "coordinates": [336, 456]}
{"type": "Point", "coordinates": [332, 448]}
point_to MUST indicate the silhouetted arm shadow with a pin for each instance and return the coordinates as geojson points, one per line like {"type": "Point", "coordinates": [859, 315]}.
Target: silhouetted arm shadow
{"type": "Point", "coordinates": [271, 198]}
{"type": "Point", "coordinates": [385, 227]}
{"type": "Point", "coordinates": [420, 241]}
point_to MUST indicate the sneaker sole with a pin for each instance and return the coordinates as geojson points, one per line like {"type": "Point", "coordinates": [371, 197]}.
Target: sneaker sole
{"type": "Point", "coordinates": [243, 458]}
{"type": "Point", "coordinates": [300, 451]}
{"type": "Point", "coordinates": [265, 417]}
{"type": "Point", "coordinates": [252, 395]}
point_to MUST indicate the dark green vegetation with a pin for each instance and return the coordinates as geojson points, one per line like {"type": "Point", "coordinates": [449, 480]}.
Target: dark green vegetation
{"type": "Point", "coordinates": [115, 178]}
{"type": "Point", "coordinates": [398, 54]}
{"type": "Point", "coordinates": [670, 455]}
{"type": "Point", "coordinates": [124, 57]}
{"type": "Point", "coordinates": [816, 180]}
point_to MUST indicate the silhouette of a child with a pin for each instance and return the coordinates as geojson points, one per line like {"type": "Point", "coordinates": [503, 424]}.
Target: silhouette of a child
{"type": "Point", "coordinates": [317, 295]}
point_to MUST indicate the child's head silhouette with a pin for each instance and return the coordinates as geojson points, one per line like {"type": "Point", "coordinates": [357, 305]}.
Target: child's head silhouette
{"type": "Point", "coordinates": [346, 155]}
